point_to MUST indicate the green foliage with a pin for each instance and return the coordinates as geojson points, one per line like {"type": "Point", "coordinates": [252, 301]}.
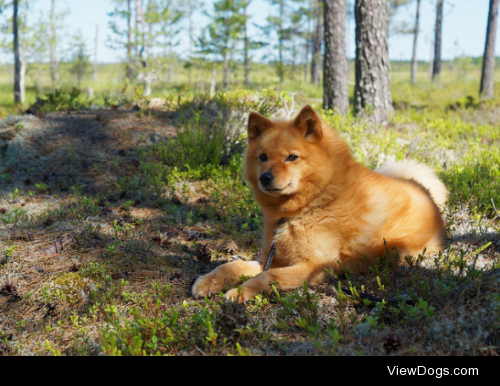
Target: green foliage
{"type": "Point", "coordinates": [80, 64]}
{"type": "Point", "coordinates": [158, 330]}
{"type": "Point", "coordinates": [59, 100]}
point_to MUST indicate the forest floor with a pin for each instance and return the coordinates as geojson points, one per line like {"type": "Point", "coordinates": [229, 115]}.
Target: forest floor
{"type": "Point", "coordinates": [101, 237]}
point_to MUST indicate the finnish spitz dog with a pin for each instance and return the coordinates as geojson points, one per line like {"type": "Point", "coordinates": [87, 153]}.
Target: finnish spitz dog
{"type": "Point", "coordinates": [335, 212]}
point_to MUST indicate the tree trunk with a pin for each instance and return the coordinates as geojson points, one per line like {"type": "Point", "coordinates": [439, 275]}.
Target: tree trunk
{"type": "Point", "coordinates": [225, 71]}
{"type": "Point", "coordinates": [22, 75]}
{"type": "Point", "coordinates": [191, 34]}
{"type": "Point", "coordinates": [137, 34]}
{"type": "Point", "coordinates": [280, 48]}
{"type": "Point", "coordinates": [436, 70]}
{"type": "Point", "coordinates": [95, 51]}
{"type": "Point", "coordinates": [129, 40]}
{"type": "Point", "coordinates": [372, 93]}
{"type": "Point", "coordinates": [488, 76]}
{"type": "Point", "coordinates": [212, 84]}
{"type": "Point", "coordinates": [17, 62]}
{"type": "Point", "coordinates": [53, 46]}
{"type": "Point", "coordinates": [336, 76]}
{"type": "Point", "coordinates": [143, 52]}
{"type": "Point", "coordinates": [306, 61]}
{"type": "Point", "coordinates": [246, 49]}
{"type": "Point", "coordinates": [414, 61]}
{"type": "Point", "coordinates": [316, 45]}
{"type": "Point", "coordinates": [170, 69]}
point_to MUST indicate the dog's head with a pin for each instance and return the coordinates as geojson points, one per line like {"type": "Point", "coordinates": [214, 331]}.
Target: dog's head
{"type": "Point", "coordinates": [285, 157]}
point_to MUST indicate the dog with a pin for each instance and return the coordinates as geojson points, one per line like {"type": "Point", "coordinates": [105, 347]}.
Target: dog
{"type": "Point", "coordinates": [335, 213]}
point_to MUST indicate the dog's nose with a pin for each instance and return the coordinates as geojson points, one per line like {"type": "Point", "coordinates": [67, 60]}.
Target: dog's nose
{"type": "Point", "coordinates": [266, 179]}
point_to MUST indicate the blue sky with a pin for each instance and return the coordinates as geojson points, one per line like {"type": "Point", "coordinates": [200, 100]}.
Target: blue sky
{"type": "Point", "coordinates": [463, 34]}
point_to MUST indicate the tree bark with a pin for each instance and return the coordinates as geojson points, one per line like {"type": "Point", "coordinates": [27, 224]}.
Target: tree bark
{"type": "Point", "coordinates": [335, 78]}
{"type": "Point", "coordinates": [414, 62]}
{"type": "Point", "coordinates": [22, 75]}
{"type": "Point", "coordinates": [17, 62]}
{"type": "Point", "coordinates": [53, 46]}
{"type": "Point", "coordinates": [129, 40]}
{"type": "Point", "coordinates": [436, 71]}
{"type": "Point", "coordinates": [372, 92]}
{"type": "Point", "coordinates": [488, 76]}
{"type": "Point", "coordinates": [316, 44]}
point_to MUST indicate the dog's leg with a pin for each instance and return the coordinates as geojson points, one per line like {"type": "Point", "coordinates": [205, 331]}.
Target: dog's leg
{"type": "Point", "coordinates": [268, 236]}
{"type": "Point", "coordinates": [287, 278]}
{"type": "Point", "coordinates": [229, 274]}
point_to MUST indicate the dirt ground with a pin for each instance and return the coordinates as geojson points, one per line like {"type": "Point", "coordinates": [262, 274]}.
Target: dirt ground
{"type": "Point", "coordinates": [52, 231]}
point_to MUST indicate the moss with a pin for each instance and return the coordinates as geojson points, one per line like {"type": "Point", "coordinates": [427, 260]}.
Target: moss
{"type": "Point", "coordinates": [72, 286]}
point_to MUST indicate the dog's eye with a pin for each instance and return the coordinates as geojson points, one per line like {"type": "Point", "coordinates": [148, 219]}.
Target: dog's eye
{"type": "Point", "coordinates": [263, 158]}
{"type": "Point", "coordinates": [292, 157]}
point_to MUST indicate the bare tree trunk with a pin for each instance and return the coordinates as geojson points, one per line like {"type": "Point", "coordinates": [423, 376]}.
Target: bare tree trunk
{"type": "Point", "coordinates": [191, 35]}
{"type": "Point", "coordinates": [212, 85]}
{"type": "Point", "coordinates": [437, 41]}
{"type": "Point", "coordinates": [143, 37]}
{"type": "Point", "coordinates": [372, 93]}
{"type": "Point", "coordinates": [95, 51]}
{"type": "Point", "coordinates": [170, 68]}
{"type": "Point", "coordinates": [306, 61]}
{"type": "Point", "coordinates": [137, 34]}
{"type": "Point", "coordinates": [316, 45]}
{"type": "Point", "coordinates": [414, 61]}
{"type": "Point", "coordinates": [129, 40]}
{"type": "Point", "coordinates": [431, 60]}
{"type": "Point", "coordinates": [17, 62]}
{"type": "Point", "coordinates": [53, 46]}
{"type": "Point", "coordinates": [225, 71]}
{"type": "Point", "coordinates": [280, 48]}
{"type": "Point", "coordinates": [488, 76]}
{"type": "Point", "coordinates": [22, 77]}
{"type": "Point", "coordinates": [335, 79]}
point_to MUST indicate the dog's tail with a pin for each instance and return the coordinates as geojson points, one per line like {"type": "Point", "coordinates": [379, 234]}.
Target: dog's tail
{"type": "Point", "coordinates": [421, 174]}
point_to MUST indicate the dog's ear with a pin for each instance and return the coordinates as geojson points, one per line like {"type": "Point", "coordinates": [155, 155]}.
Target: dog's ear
{"type": "Point", "coordinates": [257, 124]}
{"type": "Point", "coordinates": [309, 124]}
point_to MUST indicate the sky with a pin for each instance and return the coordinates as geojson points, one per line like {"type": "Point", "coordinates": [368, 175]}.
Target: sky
{"type": "Point", "coordinates": [464, 27]}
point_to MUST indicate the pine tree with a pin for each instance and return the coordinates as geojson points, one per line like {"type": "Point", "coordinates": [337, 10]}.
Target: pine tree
{"type": "Point", "coordinates": [79, 58]}
{"type": "Point", "coordinates": [249, 44]}
{"type": "Point", "coordinates": [280, 26]}
{"type": "Point", "coordinates": [488, 74]}
{"type": "Point", "coordinates": [336, 75]}
{"type": "Point", "coordinates": [123, 37]}
{"type": "Point", "coordinates": [372, 96]}
{"type": "Point", "coordinates": [190, 9]}
{"type": "Point", "coordinates": [437, 41]}
{"type": "Point", "coordinates": [414, 61]}
{"type": "Point", "coordinates": [23, 41]}
{"type": "Point", "coordinates": [225, 31]}
{"type": "Point", "coordinates": [317, 42]}
{"type": "Point", "coordinates": [17, 61]}
{"type": "Point", "coordinates": [166, 29]}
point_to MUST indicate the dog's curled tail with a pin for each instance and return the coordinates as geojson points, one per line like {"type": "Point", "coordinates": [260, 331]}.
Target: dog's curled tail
{"type": "Point", "coordinates": [422, 174]}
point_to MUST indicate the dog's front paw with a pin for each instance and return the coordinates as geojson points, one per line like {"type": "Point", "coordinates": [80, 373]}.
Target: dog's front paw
{"type": "Point", "coordinates": [207, 285]}
{"type": "Point", "coordinates": [240, 295]}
